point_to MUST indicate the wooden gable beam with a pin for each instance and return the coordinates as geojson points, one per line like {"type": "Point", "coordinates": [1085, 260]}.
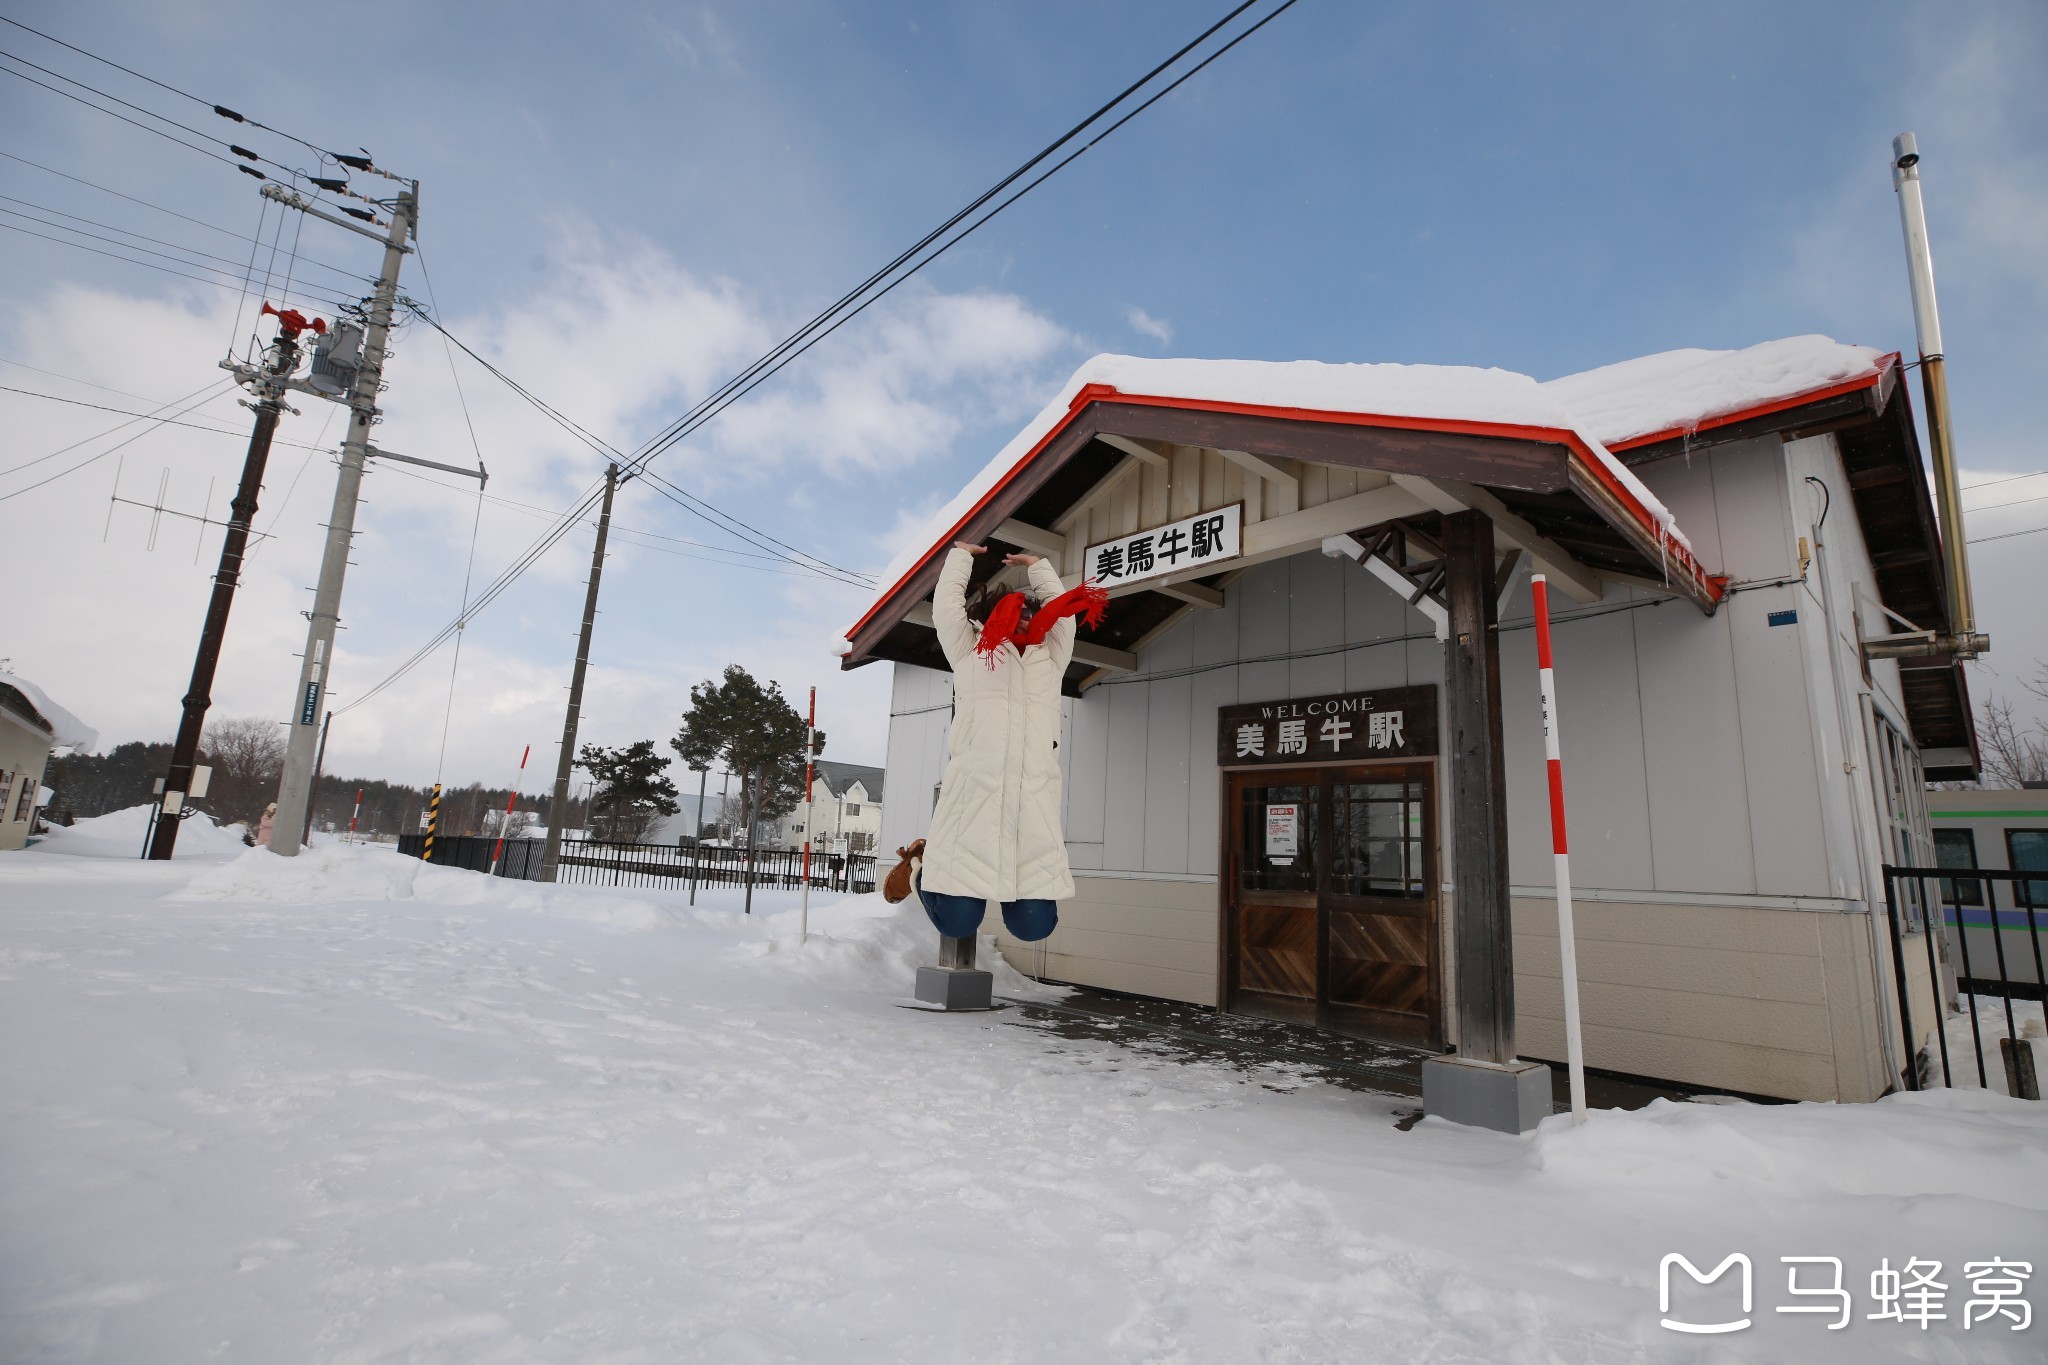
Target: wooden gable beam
{"type": "Point", "coordinates": [1033, 538]}
{"type": "Point", "coordinates": [1136, 449]}
{"type": "Point", "coordinates": [1573, 578]}
{"type": "Point", "coordinates": [1287, 486]}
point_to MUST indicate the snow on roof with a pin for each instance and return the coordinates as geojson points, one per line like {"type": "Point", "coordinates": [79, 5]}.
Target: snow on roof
{"type": "Point", "coordinates": [1678, 391]}
{"type": "Point", "coordinates": [1607, 404]}
{"type": "Point", "coordinates": [66, 730]}
{"type": "Point", "coordinates": [838, 777]}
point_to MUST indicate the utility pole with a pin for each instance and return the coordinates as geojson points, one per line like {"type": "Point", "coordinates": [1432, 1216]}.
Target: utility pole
{"type": "Point", "coordinates": [268, 386]}
{"type": "Point", "coordinates": [558, 810]}
{"type": "Point", "coordinates": [295, 789]}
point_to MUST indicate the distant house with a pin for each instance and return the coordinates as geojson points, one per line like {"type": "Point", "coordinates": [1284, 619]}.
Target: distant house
{"type": "Point", "coordinates": [846, 807]}
{"type": "Point", "coordinates": [31, 726]}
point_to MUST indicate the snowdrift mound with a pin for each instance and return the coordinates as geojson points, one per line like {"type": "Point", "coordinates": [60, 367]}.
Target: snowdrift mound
{"type": "Point", "coordinates": [865, 942]}
{"type": "Point", "coordinates": [335, 873]}
{"type": "Point", "coordinates": [119, 834]}
{"type": "Point", "coordinates": [1810, 1151]}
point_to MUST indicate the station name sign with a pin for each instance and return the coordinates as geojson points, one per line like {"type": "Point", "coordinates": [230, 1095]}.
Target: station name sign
{"type": "Point", "coordinates": [1344, 727]}
{"type": "Point", "coordinates": [1196, 542]}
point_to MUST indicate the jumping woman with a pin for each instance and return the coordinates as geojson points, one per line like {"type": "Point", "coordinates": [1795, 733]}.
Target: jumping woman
{"type": "Point", "coordinates": [996, 833]}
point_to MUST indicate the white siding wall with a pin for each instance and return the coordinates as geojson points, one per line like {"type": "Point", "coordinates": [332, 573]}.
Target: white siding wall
{"type": "Point", "coordinates": [1688, 740]}
{"type": "Point", "coordinates": [920, 718]}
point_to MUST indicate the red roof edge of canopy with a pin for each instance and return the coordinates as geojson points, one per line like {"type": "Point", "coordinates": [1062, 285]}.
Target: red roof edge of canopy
{"type": "Point", "coordinates": [1679, 558]}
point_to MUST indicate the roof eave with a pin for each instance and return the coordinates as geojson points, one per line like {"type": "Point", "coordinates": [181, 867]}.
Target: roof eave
{"type": "Point", "coordinates": [1590, 478]}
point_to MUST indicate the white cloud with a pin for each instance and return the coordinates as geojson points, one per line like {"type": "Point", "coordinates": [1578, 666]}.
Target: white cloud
{"type": "Point", "coordinates": [616, 334]}
{"type": "Point", "coordinates": [1156, 328]}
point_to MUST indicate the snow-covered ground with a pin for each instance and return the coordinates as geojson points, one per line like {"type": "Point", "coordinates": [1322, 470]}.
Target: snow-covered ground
{"type": "Point", "coordinates": [350, 1108]}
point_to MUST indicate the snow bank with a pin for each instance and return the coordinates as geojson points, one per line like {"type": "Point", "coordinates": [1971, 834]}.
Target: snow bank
{"type": "Point", "coordinates": [866, 942]}
{"type": "Point", "coordinates": [383, 1130]}
{"type": "Point", "coordinates": [119, 834]}
{"type": "Point", "coordinates": [1990, 1148]}
{"type": "Point", "coordinates": [348, 873]}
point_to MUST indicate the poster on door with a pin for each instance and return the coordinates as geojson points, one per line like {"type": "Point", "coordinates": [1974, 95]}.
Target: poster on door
{"type": "Point", "coordinates": [1283, 825]}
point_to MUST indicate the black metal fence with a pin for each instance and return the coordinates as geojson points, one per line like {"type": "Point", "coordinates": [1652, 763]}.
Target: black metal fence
{"type": "Point", "coordinates": [602, 862]}
{"type": "Point", "coordinates": [1995, 952]}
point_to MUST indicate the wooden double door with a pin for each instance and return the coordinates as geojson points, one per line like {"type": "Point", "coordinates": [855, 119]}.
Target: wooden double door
{"type": "Point", "coordinates": [1331, 899]}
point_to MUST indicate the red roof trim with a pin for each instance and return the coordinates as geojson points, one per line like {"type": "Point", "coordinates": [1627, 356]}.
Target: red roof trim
{"type": "Point", "coordinates": [1884, 364]}
{"type": "Point", "coordinates": [1081, 400]}
{"type": "Point", "coordinates": [1713, 585]}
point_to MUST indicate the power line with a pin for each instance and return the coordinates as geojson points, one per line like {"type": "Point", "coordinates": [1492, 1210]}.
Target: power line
{"type": "Point", "coordinates": [2000, 506]}
{"type": "Point", "coordinates": [554, 513]}
{"type": "Point", "coordinates": [1967, 488]}
{"type": "Point", "coordinates": [691, 423]}
{"type": "Point", "coordinates": [817, 329]}
{"type": "Point", "coordinates": [243, 152]}
{"type": "Point", "coordinates": [824, 324]}
{"type": "Point", "coordinates": [2008, 535]}
{"type": "Point", "coordinates": [323, 301]}
{"type": "Point", "coordinates": [145, 237]}
{"type": "Point", "coordinates": [101, 407]}
{"type": "Point", "coordinates": [30, 488]}
{"type": "Point", "coordinates": [93, 184]}
{"type": "Point", "coordinates": [186, 94]}
{"type": "Point", "coordinates": [712, 516]}
{"type": "Point", "coordinates": [134, 416]}
{"type": "Point", "coordinates": [688, 501]}
{"type": "Point", "coordinates": [8, 70]}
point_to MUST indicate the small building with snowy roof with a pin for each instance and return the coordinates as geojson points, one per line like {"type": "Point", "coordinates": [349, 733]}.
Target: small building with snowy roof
{"type": "Point", "coordinates": [31, 727]}
{"type": "Point", "coordinates": [1303, 754]}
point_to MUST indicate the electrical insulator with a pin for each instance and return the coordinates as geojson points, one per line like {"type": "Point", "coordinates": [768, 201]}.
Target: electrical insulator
{"type": "Point", "coordinates": [336, 358]}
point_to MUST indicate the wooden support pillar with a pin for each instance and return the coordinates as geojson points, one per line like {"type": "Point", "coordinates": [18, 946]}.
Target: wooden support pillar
{"type": "Point", "coordinates": [1483, 938]}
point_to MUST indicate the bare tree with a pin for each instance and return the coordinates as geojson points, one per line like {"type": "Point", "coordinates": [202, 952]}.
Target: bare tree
{"type": "Point", "coordinates": [2014, 752]}
{"type": "Point", "coordinates": [247, 755]}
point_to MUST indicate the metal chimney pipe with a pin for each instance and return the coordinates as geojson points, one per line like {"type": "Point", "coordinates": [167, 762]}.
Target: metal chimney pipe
{"type": "Point", "coordinates": [1962, 614]}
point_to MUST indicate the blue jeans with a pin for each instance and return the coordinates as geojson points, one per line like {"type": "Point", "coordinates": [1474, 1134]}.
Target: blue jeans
{"type": "Point", "coordinates": [960, 916]}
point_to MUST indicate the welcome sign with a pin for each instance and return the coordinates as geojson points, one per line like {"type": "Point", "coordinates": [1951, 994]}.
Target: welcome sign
{"type": "Point", "coordinates": [1344, 727]}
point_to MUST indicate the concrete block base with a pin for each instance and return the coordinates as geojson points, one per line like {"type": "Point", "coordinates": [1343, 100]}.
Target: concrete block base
{"type": "Point", "coordinates": [2022, 1078]}
{"type": "Point", "coordinates": [956, 988]}
{"type": "Point", "coordinates": [1510, 1097]}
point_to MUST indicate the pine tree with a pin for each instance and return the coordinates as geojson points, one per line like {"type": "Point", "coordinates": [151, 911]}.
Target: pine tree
{"type": "Point", "coordinates": [632, 791]}
{"type": "Point", "coordinates": [755, 734]}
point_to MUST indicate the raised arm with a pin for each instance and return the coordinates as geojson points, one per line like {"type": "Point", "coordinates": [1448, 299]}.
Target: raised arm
{"type": "Point", "coordinates": [1046, 585]}
{"type": "Point", "coordinates": [949, 607]}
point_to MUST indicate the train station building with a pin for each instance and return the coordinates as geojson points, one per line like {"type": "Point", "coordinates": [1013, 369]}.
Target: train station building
{"type": "Point", "coordinates": [1303, 757]}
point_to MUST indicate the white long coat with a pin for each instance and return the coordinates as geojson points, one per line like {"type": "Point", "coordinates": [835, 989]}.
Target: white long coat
{"type": "Point", "coordinates": [996, 832]}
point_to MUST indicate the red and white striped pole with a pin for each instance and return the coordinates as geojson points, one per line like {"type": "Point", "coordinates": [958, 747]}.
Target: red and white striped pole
{"type": "Point", "coordinates": [1567, 946]}
{"type": "Point", "coordinates": [498, 852]}
{"type": "Point", "coordinates": [810, 776]}
{"type": "Point", "coordinates": [353, 814]}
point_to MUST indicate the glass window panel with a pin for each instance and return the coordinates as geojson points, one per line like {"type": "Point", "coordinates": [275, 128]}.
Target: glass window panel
{"type": "Point", "coordinates": [1957, 848]}
{"type": "Point", "coordinates": [2027, 851]}
{"type": "Point", "coordinates": [1265, 860]}
{"type": "Point", "coordinates": [1378, 848]}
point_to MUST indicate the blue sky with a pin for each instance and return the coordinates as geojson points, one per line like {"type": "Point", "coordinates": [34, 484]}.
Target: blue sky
{"type": "Point", "coordinates": [623, 203]}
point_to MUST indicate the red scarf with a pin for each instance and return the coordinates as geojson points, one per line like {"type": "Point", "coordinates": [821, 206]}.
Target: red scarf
{"type": "Point", "coordinates": [1088, 602]}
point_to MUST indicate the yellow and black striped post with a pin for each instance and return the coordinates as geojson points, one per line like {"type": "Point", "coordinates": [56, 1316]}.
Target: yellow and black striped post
{"type": "Point", "coordinates": [433, 823]}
